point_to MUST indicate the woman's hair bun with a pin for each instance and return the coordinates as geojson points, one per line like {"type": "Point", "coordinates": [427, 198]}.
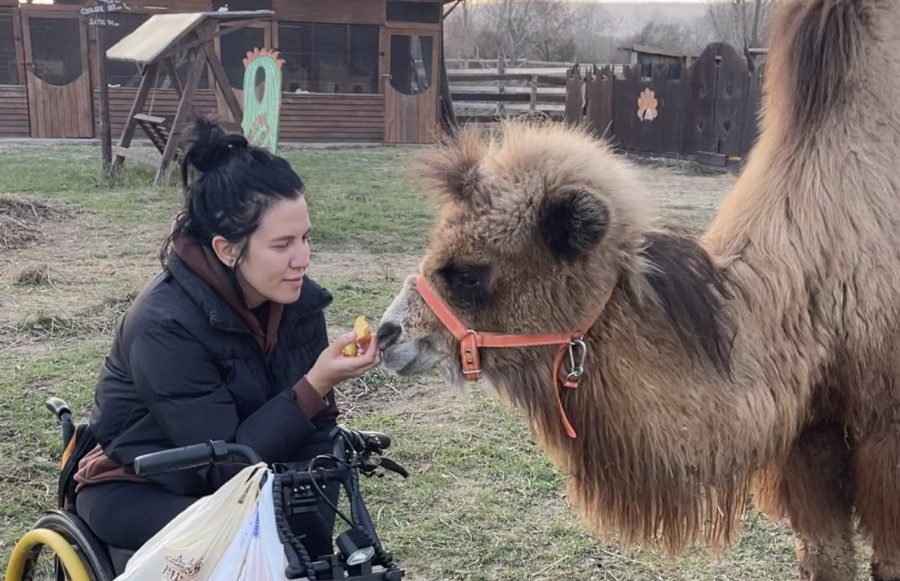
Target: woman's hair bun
{"type": "Point", "coordinates": [210, 146]}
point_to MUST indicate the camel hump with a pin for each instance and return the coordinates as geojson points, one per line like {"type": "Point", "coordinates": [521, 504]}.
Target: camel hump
{"type": "Point", "coordinates": [818, 46]}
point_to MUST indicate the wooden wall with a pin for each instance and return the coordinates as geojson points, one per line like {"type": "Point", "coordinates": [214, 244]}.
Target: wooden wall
{"type": "Point", "coordinates": [331, 118]}
{"type": "Point", "coordinates": [14, 111]}
{"type": "Point", "coordinates": [165, 103]}
{"type": "Point", "coordinates": [304, 117]}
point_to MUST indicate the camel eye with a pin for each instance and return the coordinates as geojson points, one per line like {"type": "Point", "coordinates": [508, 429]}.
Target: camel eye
{"type": "Point", "coordinates": [466, 278]}
{"type": "Point", "coordinates": [468, 284]}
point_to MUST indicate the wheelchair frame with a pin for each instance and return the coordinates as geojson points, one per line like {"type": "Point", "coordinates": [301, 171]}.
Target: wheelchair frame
{"type": "Point", "coordinates": [80, 556]}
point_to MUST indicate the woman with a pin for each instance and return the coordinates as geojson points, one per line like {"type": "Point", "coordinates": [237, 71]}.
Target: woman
{"type": "Point", "coordinates": [228, 342]}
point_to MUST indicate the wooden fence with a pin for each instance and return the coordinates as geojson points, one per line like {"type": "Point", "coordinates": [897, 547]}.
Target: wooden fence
{"type": "Point", "coordinates": [484, 94]}
{"type": "Point", "coordinates": [707, 111]}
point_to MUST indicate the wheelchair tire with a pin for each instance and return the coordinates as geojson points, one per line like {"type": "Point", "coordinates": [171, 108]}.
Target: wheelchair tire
{"type": "Point", "coordinates": [92, 552]}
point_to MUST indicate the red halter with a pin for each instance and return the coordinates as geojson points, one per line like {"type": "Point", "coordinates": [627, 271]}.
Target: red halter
{"type": "Point", "coordinates": [471, 341]}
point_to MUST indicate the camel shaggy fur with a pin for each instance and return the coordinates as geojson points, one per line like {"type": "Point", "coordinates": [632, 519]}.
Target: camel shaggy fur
{"type": "Point", "coordinates": [763, 357]}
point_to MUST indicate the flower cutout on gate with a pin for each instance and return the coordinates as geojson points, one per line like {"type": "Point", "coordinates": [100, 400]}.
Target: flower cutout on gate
{"type": "Point", "coordinates": [647, 106]}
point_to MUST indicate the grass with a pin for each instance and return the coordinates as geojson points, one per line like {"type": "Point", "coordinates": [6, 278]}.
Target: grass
{"type": "Point", "coordinates": [481, 503]}
{"type": "Point", "coordinates": [357, 197]}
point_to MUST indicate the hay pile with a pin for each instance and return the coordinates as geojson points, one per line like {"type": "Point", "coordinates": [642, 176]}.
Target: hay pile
{"type": "Point", "coordinates": [21, 220]}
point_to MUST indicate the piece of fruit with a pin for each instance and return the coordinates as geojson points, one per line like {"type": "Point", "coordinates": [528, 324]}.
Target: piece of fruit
{"type": "Point", "coordinates": [363, 337]}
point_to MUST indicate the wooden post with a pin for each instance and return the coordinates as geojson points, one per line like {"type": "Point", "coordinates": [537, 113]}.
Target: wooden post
{"type": "Point", "coordinates": [198, 61]}
{"type": "Point", "coordinates": [103, 95]}
{"type": "Point", "coordinates": [148, 79]}
{"type": "Point", "coordinates": [533, 84]}
{"type": "Point", "coordinates": [172, 71]}
{"type": "Point", "coordinates": [218, 71]}
{"type": "Point", "coordinates": [501, 85]}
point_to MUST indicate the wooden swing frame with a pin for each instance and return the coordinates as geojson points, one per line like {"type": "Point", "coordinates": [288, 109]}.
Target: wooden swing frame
{"type": "Point", "coordinates": [197, 39]}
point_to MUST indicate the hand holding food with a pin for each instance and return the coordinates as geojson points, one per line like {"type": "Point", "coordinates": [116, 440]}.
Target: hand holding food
{"type": "Point", "coordinates": [350, 356]}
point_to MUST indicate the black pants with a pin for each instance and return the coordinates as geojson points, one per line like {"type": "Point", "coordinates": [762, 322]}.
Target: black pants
{"type": "Point", "coordinates": [127, 514]}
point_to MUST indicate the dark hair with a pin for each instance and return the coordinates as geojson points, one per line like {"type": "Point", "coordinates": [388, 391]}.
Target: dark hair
{"type": "Point", "coordinates": [238, 182]}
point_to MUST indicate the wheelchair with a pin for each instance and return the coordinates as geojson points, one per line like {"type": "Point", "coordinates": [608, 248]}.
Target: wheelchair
{"type": "Point", "coordinates": [78, 555]}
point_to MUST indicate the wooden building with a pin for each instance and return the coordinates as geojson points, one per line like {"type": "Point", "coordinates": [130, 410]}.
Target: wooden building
{"type": "Point", "coordinates": [648, 56]}
{"type": "Point", "coordinates": [354, 70]}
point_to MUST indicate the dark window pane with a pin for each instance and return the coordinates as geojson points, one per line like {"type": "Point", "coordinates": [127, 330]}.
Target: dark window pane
{"type": "Point", "coordinates": [429, 12]}
{"type": "Point", "coordinates": [363, 72]}
{"type": "Point", "coordinates": [8, 75]}
{"type": "Point", "coordinates": [328, 58]}
{"type": "Point", "coordinates": [234, 47]}
{"type": "Point", "coordinates": [56, 49]}
{"type": "Point", "coordinates": [411, 57]}
{"type": "Point", "coordinates": [122, 73]}
{"type": "Point", "coordinates": [242, 4]}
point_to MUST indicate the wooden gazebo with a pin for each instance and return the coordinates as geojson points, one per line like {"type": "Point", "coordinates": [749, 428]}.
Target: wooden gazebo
{"type": "Point", "coordinates": [153, 46]}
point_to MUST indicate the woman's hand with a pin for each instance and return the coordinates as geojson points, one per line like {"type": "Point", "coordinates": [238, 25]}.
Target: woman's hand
{"type": "Point", "coordinates": [333, 367]}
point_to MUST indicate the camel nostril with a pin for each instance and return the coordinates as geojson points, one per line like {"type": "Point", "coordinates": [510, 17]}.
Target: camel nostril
{"type": "Point", "coordinates": [388, 334]}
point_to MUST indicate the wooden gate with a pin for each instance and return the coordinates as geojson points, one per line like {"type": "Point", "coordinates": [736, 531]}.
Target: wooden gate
{"type": "Point", "coordinates": [718, 102]}
{"type": "Point", "coordinates": [57, 74]}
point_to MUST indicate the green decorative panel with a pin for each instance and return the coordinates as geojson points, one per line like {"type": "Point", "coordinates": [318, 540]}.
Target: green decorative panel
{"type": "Point", "coordinates": [260, 123]}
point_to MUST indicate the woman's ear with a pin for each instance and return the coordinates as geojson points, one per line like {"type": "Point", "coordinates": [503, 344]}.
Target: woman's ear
{"type": "Point", "coordinates": [225, 250]}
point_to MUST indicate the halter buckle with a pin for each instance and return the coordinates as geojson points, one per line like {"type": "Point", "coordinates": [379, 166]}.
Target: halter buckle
{"type": "Point", "coordinates": [469, 355]}
{"type": "Point", "coordinates": [576, 362]}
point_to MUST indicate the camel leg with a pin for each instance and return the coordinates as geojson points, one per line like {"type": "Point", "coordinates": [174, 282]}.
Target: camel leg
{"type": "Point", "coordinates": [813, 490]}
{"type": "Point", "coordinates": [878, 499]}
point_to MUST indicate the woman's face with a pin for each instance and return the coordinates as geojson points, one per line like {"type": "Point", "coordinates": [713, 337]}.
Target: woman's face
{"type": "Point", "coordinates": [277, 255]}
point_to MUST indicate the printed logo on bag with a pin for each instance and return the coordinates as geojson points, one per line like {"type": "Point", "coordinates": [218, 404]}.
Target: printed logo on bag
{"type": "Point", "coordinates": [177, 570]}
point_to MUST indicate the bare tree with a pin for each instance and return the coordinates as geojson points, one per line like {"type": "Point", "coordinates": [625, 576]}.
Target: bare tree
{"type": "Point", "coordinates": [678, 37]}
{"type": "Point", "coordinates": [732, 20]}
{"type": "Point", "coordinates": [594, 33]}
{"type": "Point", "coordinates": [521, 29]}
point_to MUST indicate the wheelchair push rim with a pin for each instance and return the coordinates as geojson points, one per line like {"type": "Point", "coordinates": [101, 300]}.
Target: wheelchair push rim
{"type": "Point", "coordinates": [29, 547]}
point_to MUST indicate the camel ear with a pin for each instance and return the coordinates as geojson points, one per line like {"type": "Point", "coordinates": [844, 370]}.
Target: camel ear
{"type": "Point", "coordinates": [573, 222]}
{"type": "Point", "coordinates": [454, 166]}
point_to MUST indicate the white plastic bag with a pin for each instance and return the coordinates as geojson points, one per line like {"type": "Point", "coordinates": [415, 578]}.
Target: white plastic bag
{"type": "Point", "coordinates": [256, 554]}
{"type": "Point", "coordinates": [192, 544]}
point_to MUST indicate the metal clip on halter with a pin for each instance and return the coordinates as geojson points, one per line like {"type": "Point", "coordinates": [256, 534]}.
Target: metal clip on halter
{"type": "Point", "coordinates": [576, 364]}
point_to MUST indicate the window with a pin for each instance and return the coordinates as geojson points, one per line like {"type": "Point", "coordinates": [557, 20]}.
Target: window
{"type": "Point", "coordinates": [56, 49]}
{"type": "Point", "coordinates": [234, 47]}
{"type": "Point", "coordinates": [233, 5]}
{"type": "Point", "coordinates": [8, 74]}
{"type": "Point", "coordinates": [411, 58]}
{"type": "Point", "coordinates": [428, 12]}
{"type": "Point", "coordinates": [328, 58]}
{"type": "Point", "coordinates": [122, 73]}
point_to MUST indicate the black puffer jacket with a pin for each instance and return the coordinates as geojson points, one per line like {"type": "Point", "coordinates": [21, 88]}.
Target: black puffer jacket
{"type": "Point", "coordinates": [185, 369]}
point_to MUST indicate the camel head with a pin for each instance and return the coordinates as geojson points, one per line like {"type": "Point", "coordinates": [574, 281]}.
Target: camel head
{"type": "Point", "coordinates": [537, 223]}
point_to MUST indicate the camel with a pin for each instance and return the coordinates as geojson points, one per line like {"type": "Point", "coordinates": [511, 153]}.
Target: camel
{"type": "Point", "coordinates": [673, 379]}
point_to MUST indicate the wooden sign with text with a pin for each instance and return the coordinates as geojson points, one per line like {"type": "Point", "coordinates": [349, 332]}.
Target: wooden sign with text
{"type": "Point", "coordinates": [97, 15]}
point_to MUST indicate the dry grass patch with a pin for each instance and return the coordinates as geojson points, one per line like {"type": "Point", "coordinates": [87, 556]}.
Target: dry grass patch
{"type": "Point", "coordinates": [22, 220]}
{"type": "Point", "coordinates": [39, 275]}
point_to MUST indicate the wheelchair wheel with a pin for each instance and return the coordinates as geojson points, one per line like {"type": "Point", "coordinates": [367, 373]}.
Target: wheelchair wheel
{"type": "Point", "coordinates": [71, 552]}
